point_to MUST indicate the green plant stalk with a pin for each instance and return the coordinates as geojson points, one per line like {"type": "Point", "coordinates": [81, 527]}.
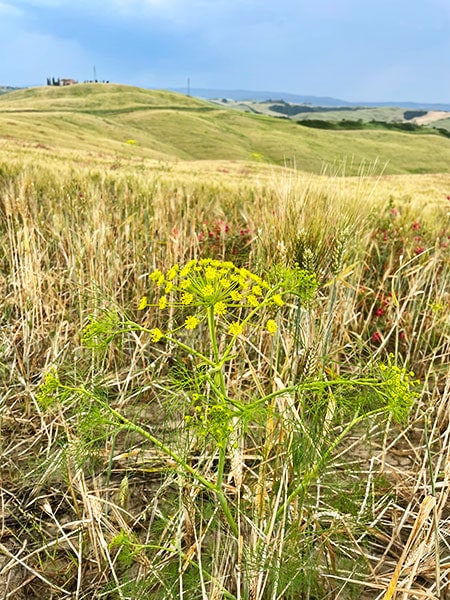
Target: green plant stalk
{"type": "Point", "coordinates": [136, 327]}
{"type": "Point", "coordinates": [312, 473]}
{"type": "Point", "coordinates": [328, 325]}
{"type": "Point", "coordinates": [316, 385]}
{"type": "Point", "coordinates": [140, 547]}
{"type": "Point", "coordinates": [217, 489]}
{"type": "Point", "coordinates": [220, 381]}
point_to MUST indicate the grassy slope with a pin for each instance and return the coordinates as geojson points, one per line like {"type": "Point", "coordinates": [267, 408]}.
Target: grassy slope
{"type": "Point", "coordinates": [365, 114]}
{"type": "Point", "coordinates": [442, 123]}
{"type": "Point", "coordinates": [168, 126]}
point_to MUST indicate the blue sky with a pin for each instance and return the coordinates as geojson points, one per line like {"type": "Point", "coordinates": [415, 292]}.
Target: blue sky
{"type": "Point", "coordinates": [373, 50]}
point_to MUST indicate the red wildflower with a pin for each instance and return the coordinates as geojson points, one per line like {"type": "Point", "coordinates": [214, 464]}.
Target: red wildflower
{"type": "Point", "coordinates": [379, 312]}
{"type": "Point", "coordinates": [415, 226]}
{"type": "Point", "coordinates": [376, 337]}
{"type": "Point", "coordinates": [418, 250]}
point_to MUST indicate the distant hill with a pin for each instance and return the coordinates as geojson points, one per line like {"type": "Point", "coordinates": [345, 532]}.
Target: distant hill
{"type": "Point", "coordinates": [4, 89]}
{"type": "Point", "coordinates": [259, 96]}
{"type": "Point", "coordinates": [240, 95]}
{"type": "Point", "coordinates": [118, 121]}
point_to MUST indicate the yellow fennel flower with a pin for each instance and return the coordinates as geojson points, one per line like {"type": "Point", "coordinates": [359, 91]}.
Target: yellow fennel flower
{"type": "Point", "coordinates": [271, 326]}
{"type": "Point", "coordinates": [235, 328]}
{"type": "Point", "coordinates": [143, 303]}
{"type": "Point", "coordinates": [191, 322]}
{"type": "Point", "coordinates": [210, 273]}
{"type": "Point", "coordinates": [156, 334]}
{"type": "Point", "coordinates": [162, 302]}
{"type": "Point", "coordinates": [252, 300]}
{"type": "Point", "coordinates": [208, 291]}
{"type": "Point", "coordinates": [278, 300]}
{"type": "Point", "coordinates": [220, 308]}
{"type": "Point", "coordinates": [172, 272]}
{"type": "Point", "coordinates": [187, 298]}
{"type": "Point", "coordinates": [156, 275]}
{"type": "Point", "coordinates": [188, 268]}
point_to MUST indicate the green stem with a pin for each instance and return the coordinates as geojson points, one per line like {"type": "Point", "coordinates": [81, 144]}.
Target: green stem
{"type": "Point", "coordinates": [220, 383]}
{"type": "Point", "coordinates": [217, 488]}
{"type": "Point", "coordinates": [312, 473]}
{"type": "Point", "coordinates": [146, 434]}
{"type": "Point", "coordinates": [316, 386]}
{"type": "Point", "coordinates": [212, 333]}
{"type": "Point", "coordinates": [136, 327]}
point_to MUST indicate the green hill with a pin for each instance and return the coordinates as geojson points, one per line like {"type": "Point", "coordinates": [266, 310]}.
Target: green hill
{"type": "Point", "coordinates": [125, 121]}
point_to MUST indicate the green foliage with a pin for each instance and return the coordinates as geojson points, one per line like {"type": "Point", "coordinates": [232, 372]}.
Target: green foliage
{"type": "Point", "coordinates": [48, 388]}
{"type": "Point", "coordinates": [398, 388]}
{"type": "Point", "coordinates": [413, 114]}
{"type": "Point", "coordinates": [300, 282]}
{"type": "Point", "coordinates": [127, 547]}
{"type": "Point", "coordinates": [101, 330]}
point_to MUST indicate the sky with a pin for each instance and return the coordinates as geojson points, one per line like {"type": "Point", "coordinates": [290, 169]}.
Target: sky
{"type": "Point", "coordinates": [355, 50]}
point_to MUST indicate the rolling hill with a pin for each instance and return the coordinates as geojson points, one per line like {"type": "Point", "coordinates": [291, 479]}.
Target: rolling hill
{"type": "Point", "coordinates": [128, 122]}
{"type": "Point", "coordinates": [326, 101]}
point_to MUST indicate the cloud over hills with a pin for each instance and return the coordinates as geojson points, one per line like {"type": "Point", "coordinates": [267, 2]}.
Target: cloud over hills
{"type": "Point", "coordinates": [357, 51]}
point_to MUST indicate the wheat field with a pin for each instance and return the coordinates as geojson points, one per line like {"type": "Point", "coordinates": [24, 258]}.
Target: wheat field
{"type": "Point", "coordinates": [109, 491]}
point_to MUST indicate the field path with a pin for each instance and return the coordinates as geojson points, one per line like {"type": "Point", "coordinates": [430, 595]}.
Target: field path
{"type": "Point", "coordinates": [431, 116]}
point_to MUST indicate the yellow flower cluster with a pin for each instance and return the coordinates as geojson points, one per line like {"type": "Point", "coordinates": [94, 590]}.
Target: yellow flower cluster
{"type": "Point", "coordinates": [216, 287]}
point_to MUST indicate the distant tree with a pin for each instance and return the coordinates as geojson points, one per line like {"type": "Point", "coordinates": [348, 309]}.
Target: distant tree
{"type": "Point", "coordinates": [49, 81]}
{"type": "Point", "coordinates": [413, 114]}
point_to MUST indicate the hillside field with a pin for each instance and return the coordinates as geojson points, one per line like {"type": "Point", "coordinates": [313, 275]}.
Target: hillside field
{"type": "Point", "coordinates": [224, 354]}
{"type": "Point", "coordinates": [109, 119]}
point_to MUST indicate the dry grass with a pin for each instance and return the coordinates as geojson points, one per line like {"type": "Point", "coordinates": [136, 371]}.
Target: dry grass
{"type": "Point", "coordinates": [99, 514]}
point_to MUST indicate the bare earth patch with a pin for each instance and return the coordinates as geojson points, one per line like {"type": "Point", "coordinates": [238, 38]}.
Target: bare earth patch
{"type": "Point", "coordinates": [431, 117]}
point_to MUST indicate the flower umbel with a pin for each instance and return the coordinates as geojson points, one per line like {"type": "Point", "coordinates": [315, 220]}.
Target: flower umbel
{"type": "Point", "coordinates": [143, 303]}
{"type": "Point", "coordinates": [235, 328]}
{"type": "Point", "coordinates": [208, 284]}
{"type": "Point", "coordinates": [398, 386]}
{"type": "Point", "coordinates": [191, 322]}
{"type": "Point", "coordinates": [225, 296]}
